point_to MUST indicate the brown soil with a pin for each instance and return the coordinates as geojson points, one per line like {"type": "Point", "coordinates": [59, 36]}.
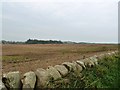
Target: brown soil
{"type": "Point", "coordinates": [42, 56]}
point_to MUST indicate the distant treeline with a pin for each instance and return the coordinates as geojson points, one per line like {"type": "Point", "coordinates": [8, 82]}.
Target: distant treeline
{"type": "Point", "coordinates": [35, 41]}
{"type": "Point", "coordinates": [11, 42]}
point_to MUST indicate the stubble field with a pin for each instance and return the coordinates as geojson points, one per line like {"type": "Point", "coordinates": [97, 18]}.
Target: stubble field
{"type": "Point", "coordinates": [29, 57]}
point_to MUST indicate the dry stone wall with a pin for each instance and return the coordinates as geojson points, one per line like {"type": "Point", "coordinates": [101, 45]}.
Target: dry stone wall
{"type": "Point", "coordinates": [41, 77]}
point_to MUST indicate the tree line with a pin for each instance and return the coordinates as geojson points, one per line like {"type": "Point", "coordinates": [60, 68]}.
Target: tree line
{"type": "Point", "coordinates": [33, 41]}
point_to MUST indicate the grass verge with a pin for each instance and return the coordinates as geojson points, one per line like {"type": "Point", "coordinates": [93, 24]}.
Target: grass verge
{"type": "Point", "coordinates": [104, 75]}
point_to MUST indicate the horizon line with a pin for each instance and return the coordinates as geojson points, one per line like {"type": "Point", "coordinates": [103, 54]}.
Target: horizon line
{"type": "Point", "coordinates": [64, 41]}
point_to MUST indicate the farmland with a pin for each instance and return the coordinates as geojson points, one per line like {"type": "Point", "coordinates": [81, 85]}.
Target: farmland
{"type": "Point", "coordinates": [26, 57]}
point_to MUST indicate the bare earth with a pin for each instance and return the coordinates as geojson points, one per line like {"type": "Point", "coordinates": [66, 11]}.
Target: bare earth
{"type": "Point", "coordinates": [25, 58]}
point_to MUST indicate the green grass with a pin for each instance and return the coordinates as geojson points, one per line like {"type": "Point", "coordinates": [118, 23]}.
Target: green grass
{"type": "Point", "coordinates": [104, 75]}
{"type": "Point", "coordinates": [12, 58]}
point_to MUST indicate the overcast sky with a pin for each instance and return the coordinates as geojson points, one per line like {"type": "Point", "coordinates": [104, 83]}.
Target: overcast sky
{"type": "Point", "coordinates": [73, 20]}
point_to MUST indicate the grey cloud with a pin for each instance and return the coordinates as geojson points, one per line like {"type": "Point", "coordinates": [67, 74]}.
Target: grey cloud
{"type": "Point", "coordinates": [92, 22]}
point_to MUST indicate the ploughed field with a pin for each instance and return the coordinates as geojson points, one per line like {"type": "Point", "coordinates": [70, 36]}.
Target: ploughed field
{"type": "Point", "coordinates": [29, 57]}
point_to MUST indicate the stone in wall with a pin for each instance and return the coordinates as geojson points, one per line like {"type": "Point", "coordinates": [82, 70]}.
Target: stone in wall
{"type": "Point", "coordinates": [2, 86]}
{"type": "Point", "coordinates": [95, 56]}
{"type": "Point", "coordinates": [74, 67]}
{"type": "Point", "coordinates": [101, 56]}
{"type": "Point", "coordinates": [91, 64]}
{"type": "Point", "coordinates": [78, 68]}
{"type": "Point", "coordinates": [27, 86]}
{"type": "Point", "coordinates": [53, 72]}
{"type": "Point", "coordinates": [43, 78]}
{"type": "Point", "coordinates": [94, 60]}
{"type": "Point", "coordinates": [68, 65]}
{"type": "Point", "coordinates": [113, 53]}
{"type": "Point", "coordinates": [62, 70]}
{"type": "Point", "coordinates": [81, 63]}
{"type": "Point", "coordinates": [109, 54]}
{"type": "Point", "coordinates": [29, 80]}
{"type": "Point", "coordinates": [88, 62]}
{"type": "Point", "coordinates": [12, 80]}
{"type": "Point", "coordinates": [116, 51]}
